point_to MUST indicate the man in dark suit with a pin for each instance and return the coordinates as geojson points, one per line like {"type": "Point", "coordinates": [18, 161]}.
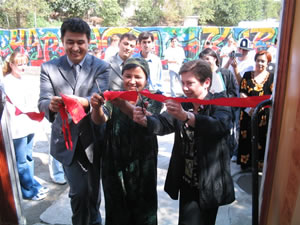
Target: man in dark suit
{"type": "Point", "coordinates": [75, 74]}
{"type": "Point", "coordinates": [126, 48]}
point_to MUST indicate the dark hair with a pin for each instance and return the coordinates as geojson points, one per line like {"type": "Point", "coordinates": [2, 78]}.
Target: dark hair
{"type": "Point", "coordinates": [200, 68]}
{"type": "Point", "coordinates": [75, 25]}
{"type": "Point", "coordinates": [173, 38]}
{"type": "Point", "coordinates": [95, 49]}
{"type": "Point", "coordinates": [129, 36]}
{"type": "Point", "coordinates": [263, 52]}
{"type": "Point", "coordinates": [210, 52]}
{"type": "Point", "coordinates": [146, 35]}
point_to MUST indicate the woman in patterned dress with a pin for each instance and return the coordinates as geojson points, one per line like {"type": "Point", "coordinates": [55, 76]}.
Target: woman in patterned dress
{"type": "Point", "coordinates": [255, 83]}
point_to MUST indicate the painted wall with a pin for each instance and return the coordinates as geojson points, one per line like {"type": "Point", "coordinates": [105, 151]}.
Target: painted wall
{"type": "Point", "coordinates": [43, 44]}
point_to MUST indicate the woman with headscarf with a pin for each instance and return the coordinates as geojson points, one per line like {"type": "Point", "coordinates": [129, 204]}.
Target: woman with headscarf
{"type": "Point", "coordinates": [129, 160]}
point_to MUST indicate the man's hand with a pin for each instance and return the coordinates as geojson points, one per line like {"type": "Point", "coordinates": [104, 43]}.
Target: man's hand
{"type": "Point", "coordinates": [55, 103]}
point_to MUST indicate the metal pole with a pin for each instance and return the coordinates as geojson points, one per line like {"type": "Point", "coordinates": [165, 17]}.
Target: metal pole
{"type": "Point", "coordinates": [254, 130]}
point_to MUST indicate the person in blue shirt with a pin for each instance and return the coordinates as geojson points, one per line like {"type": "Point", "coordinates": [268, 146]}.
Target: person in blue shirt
{"type": "Point", "coordinates": [146, 42]}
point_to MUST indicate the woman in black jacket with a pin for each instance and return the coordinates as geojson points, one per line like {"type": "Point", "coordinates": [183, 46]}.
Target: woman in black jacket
{"type": "Point", "coordinates": [200, 163]}
{"type": "Point", "coordinates": [223, 80]}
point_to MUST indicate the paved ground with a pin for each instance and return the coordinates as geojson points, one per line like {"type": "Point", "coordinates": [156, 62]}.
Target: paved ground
{"type": "Point", "coordinates": [55, 209]}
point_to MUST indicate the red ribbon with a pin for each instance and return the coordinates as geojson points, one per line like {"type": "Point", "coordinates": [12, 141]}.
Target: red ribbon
{"type": "Point", "coordinates": [32, 115]}
{"type": "Point", "coordinates": [66, 128]}
{"type": "Point", "coordinates": [234, 102]}
{"type": "Point", "coordinates": [76, 110]}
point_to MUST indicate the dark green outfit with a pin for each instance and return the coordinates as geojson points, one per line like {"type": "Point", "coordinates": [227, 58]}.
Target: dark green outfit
{"type": "Point", "coordinates": [129, 172]}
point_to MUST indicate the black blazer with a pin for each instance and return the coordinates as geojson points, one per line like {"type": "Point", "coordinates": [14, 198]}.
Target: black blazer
{"type": "Point", "coordinates": [211, 128]}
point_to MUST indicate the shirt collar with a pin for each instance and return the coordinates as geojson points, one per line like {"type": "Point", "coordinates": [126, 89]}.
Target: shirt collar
{"type": "Point", "coordinates": [71, 63]}
{"type": "Point", "coordinates": [149, 59]}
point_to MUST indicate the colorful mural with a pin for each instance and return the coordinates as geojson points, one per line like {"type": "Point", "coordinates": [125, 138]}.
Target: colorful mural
{"type": "Point", "coordinates": [43, 44]}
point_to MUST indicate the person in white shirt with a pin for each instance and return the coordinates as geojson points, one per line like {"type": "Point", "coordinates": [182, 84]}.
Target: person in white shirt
{"type": "Point", "coordinates": [241, 62]}
{"type": "Point", "coordinates": [113, 49]}
{"type": "Point", "coordinates": [273, 51]}
{"type": "Point", "coordinates": [21, 126]}
{"type": "Point", "coordinates": [175, 56]}
{"type": "Point", "coordinates": [146, 42]}
{"type": "Point", "coordinates": [226, 50]}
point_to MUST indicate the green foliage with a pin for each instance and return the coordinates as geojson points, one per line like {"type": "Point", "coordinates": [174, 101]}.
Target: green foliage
{"type": "Point", "coordinates": [123, 3]}
{"type": "Point", "coordinates": [148, 13]}
{"type": "Point", "coordinates": [271, 9]}
{"type": "Point", "coordinates": [72, 8]}
{"type": "Point", "coordinates": [49, 13]}
{"type": "Point", "coordinates": [171, 13]}
{"type": "Point", "coordinates": [110, 12]}
{"type": "Point", "coordinates": [227, 12]}
{"type": "Point", "coordinates": [205, 11]}
{"type": "Point", "coordinates": [254, 10]}
{"type": "Point", "coordinates": [41, 22]}
{"type": "Point", "coordinates": [16, 12]}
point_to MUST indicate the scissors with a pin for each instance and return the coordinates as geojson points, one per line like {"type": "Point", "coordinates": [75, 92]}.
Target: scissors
{"type": "Point", "coordinates": [141, 100]}
{"type": "Point", "coordinates": [99, 90]}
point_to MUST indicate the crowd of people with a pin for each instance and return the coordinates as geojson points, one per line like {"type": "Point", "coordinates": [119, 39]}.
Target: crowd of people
{"type": "Point", "coordinates": [121, 135]}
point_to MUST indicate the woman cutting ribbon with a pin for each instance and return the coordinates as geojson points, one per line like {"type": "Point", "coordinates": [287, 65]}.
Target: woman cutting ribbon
{"type": "Point", "coordinates": [200, 163]}
{"type": "Point", "coordinates": [130, 157]}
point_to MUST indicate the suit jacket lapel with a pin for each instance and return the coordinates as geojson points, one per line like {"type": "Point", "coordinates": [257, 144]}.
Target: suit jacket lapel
{"type": "Point", "coordinates": [115, 67]}
{"type": "Point", "coordinates": [67, 72]}
{"type": "Point", "coordinates": [85, 71]}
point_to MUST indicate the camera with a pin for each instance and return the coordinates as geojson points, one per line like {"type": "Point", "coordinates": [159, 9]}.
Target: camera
{"type": "Point", "coordinates": [233, 54]}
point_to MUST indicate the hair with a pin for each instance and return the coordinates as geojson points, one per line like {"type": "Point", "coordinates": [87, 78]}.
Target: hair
{"type": "Point", "coordinates": [200, 68]}
{"type": "Point", "coordinates": [129, 36]}
{"type": "Point", "coordinates": [110, 39]}
{"type": "Point", "coordinates": [115, 35]}
{"type": "Point", "coordinates": [263, 52]}
{"type": "Point", "coordinates": [173, 38]}
{"type": "Point", "coordinates": [75, 25]}
{"type": "Point", "coordinates": [146, 35]}
{"type": "Point", "coordinates": [210, 52]}
{"type": "Point", "coordinates": [15, 58]}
